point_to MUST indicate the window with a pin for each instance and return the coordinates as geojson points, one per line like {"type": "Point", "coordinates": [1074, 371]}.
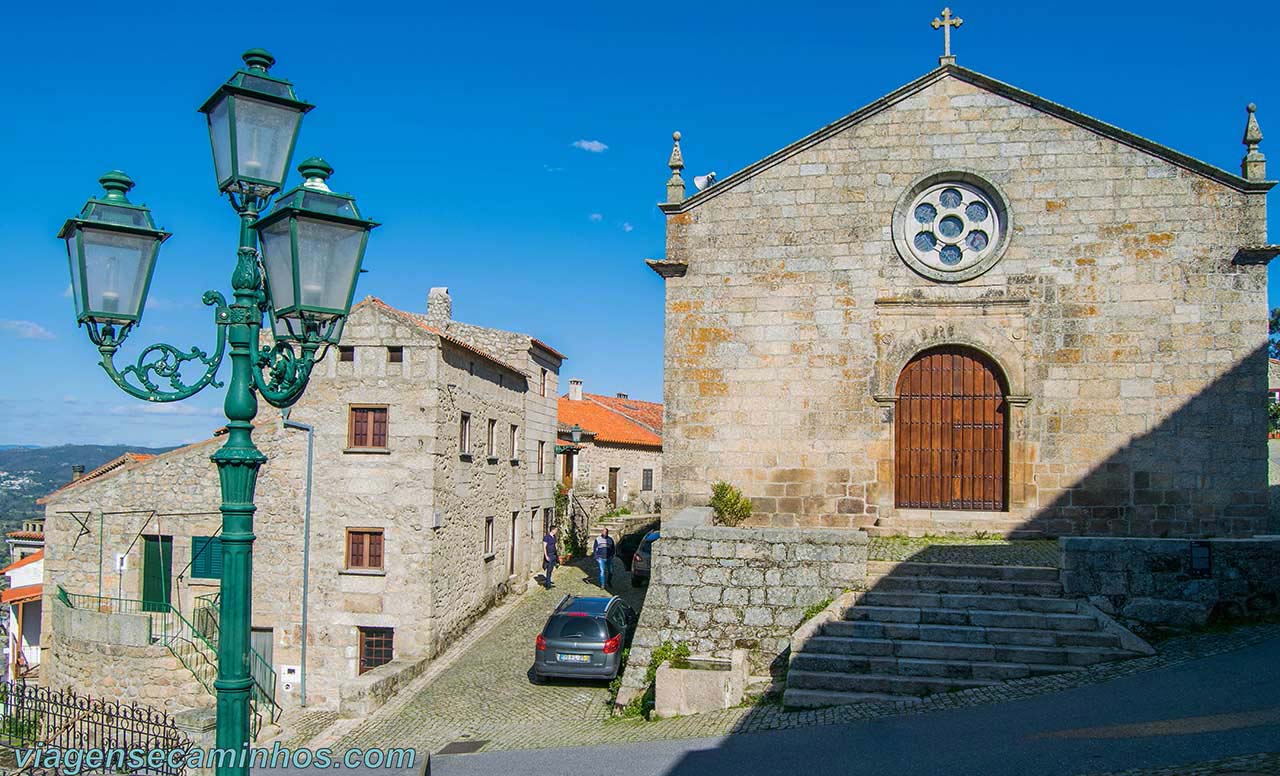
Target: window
{"type": "Point", "coordinates": [544, 382]}
{"type": "Point", "coordinates": [375, 647]}
{"type": "Point", "coordinates": [542, 456]}
{"type": "Point", "coordinates": [206, 557]}
{"type": "Point", "coordinates": [951, 226]}
{"type": "Point", "coordinates": [364, 548]}
{"type": "Point", "coordinates": [492, 440]}
{"type": "Point", "coordinates": [367, 428]}
{"type": "Point", "coordinates": [346, 353]}
{"type": "Point", "coordinates": [515, 442]}
{"type": "Point", "coordinates": [488, 538]}
{"type": "Point", "coordinates": [395, 354]}
{"type": "Point", "coordinates": [646, 479]}
{"type": "Point", "coordinates": [464, 434]}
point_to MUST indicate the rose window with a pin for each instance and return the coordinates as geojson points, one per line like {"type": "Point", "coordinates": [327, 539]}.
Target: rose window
{"type": "Point", "coordinates": [951, 227]}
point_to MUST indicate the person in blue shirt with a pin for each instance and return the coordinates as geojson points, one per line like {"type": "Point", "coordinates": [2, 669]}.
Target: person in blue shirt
{"type": "Point", "coordinates": [602, 549]}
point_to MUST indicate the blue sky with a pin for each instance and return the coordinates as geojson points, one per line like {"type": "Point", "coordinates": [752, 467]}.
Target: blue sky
{"type": "Point", "coordinates": [457, 126]}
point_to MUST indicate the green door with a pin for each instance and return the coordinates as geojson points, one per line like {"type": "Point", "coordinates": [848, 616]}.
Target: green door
{"type": "Point", "coordinates": [157, 570]}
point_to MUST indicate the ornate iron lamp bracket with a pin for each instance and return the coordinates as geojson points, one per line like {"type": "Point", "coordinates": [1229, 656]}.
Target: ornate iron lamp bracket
{"type": "Point", "coordinates": [162, 361]}
{"type": "Point", "coordinates": [280, 375]}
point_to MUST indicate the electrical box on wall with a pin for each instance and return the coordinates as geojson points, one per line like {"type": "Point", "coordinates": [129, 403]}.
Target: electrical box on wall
{"type": "Point", "coordinates": [437, 519]}
{"type": "Point", "coordinates": [289, 677]}
{"type": "Point", "coordinates": [122, 563]}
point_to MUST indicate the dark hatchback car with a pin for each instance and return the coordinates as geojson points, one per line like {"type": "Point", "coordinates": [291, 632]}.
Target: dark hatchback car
{"type": "Point", "coordinates": [584, 638]}
{"type": "Point", "coordinates": [642, 561]}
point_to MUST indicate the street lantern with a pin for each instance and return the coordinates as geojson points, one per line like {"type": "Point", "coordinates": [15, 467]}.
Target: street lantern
{"type": "Point", "coordinates": [575, 433]}
{"type": "Point", "coordinates": [253, 124]}
{"type": "Point", "coordinates": [313, 242]}
{"type": "Point", "coordinates": [112, 249]}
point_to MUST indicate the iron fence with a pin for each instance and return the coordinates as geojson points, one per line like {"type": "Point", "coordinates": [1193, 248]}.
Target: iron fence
{"type": "Point", "coordinates": [45, 724]}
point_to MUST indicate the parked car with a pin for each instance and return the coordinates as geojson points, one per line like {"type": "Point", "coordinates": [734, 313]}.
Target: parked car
{"type": "Point", "coordinates": [584, 638]}
{"type": "Point", "coordinates": [642, 561]}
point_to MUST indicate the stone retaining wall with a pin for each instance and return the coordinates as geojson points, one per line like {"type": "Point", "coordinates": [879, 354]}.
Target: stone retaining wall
{"type": "Point", "coordinates": [1151, 581]}
{"type": "Point", "coordinates": [719, 588]}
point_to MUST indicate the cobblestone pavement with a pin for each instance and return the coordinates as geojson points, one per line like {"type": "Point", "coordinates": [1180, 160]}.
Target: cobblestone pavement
{"type": "Point", "coordinates": [485, 695]}
{"type": "Point", "coordinates": [945, 549]}
{"type": "Point", "coordinates": [1267, 764]}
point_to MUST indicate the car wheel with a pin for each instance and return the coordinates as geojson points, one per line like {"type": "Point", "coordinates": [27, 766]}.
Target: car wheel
{"type": "Point", "coordinates": [635, 581]}
{"type": "Point", "coordinates": [538, 678]}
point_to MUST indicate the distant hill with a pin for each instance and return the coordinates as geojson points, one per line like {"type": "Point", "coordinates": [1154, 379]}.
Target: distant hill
{"type": "Point", "coordinates": [27, 473]}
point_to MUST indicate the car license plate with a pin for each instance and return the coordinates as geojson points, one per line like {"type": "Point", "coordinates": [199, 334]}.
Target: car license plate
{"type": "Point", "coordinates": [573, 658]}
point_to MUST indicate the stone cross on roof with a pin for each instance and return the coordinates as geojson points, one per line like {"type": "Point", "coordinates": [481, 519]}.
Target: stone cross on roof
{"type": "Point", "coordinates": [1254, 165]}
{"type": "Point", "coordinates": [946, 23]}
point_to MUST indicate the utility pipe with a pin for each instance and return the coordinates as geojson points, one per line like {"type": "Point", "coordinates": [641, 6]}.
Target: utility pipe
{"type": "Point", "coordinates": [306, 549]}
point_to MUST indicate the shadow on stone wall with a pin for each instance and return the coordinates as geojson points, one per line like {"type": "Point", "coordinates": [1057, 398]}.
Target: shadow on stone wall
{"type": "Point", "coordinates": [1201, 472]}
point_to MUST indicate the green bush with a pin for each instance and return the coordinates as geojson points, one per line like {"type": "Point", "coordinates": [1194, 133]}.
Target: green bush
{"type": "Point", "coordinates": [641, 705]}
{"type": "Point", "coordinates": [814, 610]}
{"type": "Point", "coordinates": [731, 507]}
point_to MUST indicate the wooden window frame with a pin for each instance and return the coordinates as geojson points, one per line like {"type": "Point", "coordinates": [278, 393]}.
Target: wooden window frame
{"type": "Point", "coordinates": [347, 354]}
{"type": "Point", "coordinates": [395, 354]}
{"type": "Point", "coordinates": [352, 441]}
{"type": "Point", "coordinates": [365, 634]}
{"type": "Point", "coordinates": [646, 480]}
{"type": "Point", "coordinates": [365, 534]}
{"type": "Point", "coordinates": [464, 436]}
{"type": "Point", "coordinates": [205, 549]}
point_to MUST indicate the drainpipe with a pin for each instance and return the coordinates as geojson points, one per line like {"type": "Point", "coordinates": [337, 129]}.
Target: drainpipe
{"type": "Point", "coordinates": [306, 549]}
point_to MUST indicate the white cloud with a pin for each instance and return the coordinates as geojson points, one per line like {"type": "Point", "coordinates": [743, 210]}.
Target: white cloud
{"type": "Point", "coordinates": [66, 294]}
{"type": "Point", "coordinates": [166, 408]}
{"type": "Point", "coordinates": [593, 146]}
{"type": "Point", "coordinates": [25, 330]}
{"type": "Point", "coordinates": [626, 227]}
{"type": "Point", "coordinates": [597, 217]}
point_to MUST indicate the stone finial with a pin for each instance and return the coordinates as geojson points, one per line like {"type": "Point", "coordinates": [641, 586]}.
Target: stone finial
{"type": "Point", "coordinates": [1254, 165]}
{"type": "Point", "coordinates": [945, 24]}
{"type": "Point", "coordinates": [675, 184]}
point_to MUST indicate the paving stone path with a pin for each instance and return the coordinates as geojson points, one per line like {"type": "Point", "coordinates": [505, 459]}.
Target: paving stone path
{"type": "Point", "coordinates": [484, 694]}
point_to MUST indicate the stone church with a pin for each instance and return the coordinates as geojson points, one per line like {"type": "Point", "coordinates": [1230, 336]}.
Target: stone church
{"type": "Point", "coordinates": [966, 308]}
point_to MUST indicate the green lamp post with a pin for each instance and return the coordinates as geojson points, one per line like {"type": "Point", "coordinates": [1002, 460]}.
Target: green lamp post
{"type": "Point", "coordinates": [304, 279]}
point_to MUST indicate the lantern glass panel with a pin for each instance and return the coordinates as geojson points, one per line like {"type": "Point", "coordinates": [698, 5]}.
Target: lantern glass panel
{"type": "Point", "coordinates": [327, 203]}
{"type": "Point", "coordinates": [116, 268]}
{"type": "Point", "coordinates": [327, 258]}
{"type": "Point", "coordinates": [114, 214]}
{"type": "Point", "coordinates": [264, 138]}
{"type": "Point", "coordinates": [277, 259]}
{"type": "Point", "coordinates": [220, 139]}
{"type": "Point", "coordinates": [77, 282]}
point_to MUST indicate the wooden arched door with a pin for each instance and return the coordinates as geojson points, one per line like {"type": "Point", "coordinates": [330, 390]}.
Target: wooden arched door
{"type": "Point", "coordinates": [951, 431]}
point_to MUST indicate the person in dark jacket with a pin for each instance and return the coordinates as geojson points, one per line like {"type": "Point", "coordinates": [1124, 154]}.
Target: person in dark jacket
{"type": "Point", "coordinates": [550, 554]}
{"type": "Point", "coordinates": [602, 549]}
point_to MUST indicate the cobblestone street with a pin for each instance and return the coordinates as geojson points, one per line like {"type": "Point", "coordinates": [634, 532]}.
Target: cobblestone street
{"type": "Point", "coordinates": [484, 695]}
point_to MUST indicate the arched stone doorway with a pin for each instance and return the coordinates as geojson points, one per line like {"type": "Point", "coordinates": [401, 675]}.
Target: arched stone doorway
{"type": "Point", "coordinates": [951, 432]}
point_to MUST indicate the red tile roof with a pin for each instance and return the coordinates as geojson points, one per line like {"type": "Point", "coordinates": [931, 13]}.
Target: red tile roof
{"type": "Point", "coordinates": [607, 424]}
{"type": "Point", "coordinates": [646, 413]}
{"type": "Point", "coordinates": [26, 535]}
{"type": "Point", "coordinates": [25, 593]}
{"type": "Point", "coordinates": [27, 561]}
{"type": "Point", "coordinates": [104, 469]}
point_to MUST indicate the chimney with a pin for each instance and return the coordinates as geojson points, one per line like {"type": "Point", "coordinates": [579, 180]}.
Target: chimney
{"type": "Point", "coordinates": [439, 306]}
{"type": "Point", "coordinates": [575, 390]}
{"type": "Point", "coordinates": [623, 396]}
{"type": "Point", "coordinates": [77, 471]}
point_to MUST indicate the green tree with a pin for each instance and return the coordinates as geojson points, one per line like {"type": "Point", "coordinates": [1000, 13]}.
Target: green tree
{"type": "Point", "coordinates": [1273, 332]}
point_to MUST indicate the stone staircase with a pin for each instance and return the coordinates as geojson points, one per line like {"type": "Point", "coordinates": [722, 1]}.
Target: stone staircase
{"type": "Point", "coordinates": [923, 628]}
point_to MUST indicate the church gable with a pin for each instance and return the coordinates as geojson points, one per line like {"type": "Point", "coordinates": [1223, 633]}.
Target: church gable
{"type": "Point", "coordinates": [952, 93]}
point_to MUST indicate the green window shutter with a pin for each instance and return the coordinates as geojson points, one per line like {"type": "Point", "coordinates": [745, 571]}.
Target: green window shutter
{"type": "Point", "coordinates": [206, 557]}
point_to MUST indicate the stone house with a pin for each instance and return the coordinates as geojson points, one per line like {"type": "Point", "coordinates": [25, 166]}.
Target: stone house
{"type": "Point", "coordinates": [24, 579]}
{"type": "Point", "coordinates": [966, 308]}
{"type": "Point", "coordinates": [617, 461]}
{"type": "Point", "coordinates": [431, 482]}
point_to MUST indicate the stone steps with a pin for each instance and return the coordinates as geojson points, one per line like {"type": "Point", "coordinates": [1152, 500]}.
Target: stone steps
{"type": "Point", "coordinates": [817, 698]}
{"type": "Point", "coordinates": [969, 634]}
{"type": "Point", "coordinates": [960, 669]}
{"type": "Point", "coordinates": [963, 585]}
{"type": "Point", "coordinates": [923, 628]}
{"type": "Point", "coordinates": [886, 684]}
{"type": "Point", "coordinates": [986, 601]}
{"type": "Point", "coordinates": [881, 568]}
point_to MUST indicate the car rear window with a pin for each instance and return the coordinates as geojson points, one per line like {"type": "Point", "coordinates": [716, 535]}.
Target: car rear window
{"type": "Point", "coordinates": [575, 628]}
{"type": "Point", "coordinates": [645, 546]}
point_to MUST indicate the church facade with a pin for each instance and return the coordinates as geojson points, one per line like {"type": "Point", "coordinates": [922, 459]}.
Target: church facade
{"type": "Point", "coordinates": [965, 308]}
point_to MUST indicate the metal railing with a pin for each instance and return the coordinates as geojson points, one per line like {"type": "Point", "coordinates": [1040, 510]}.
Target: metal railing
{"type": "Point", "coordinates": [32, 716]}
{"type": "Point", "coordinates": [195, 646]}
